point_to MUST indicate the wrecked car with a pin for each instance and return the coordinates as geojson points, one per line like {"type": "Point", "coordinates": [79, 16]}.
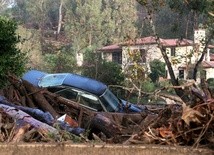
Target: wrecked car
{"type": "Point", "coordinates": [89, 93]}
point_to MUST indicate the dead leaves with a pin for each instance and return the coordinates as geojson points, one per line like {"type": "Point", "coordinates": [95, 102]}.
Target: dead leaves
{"type": "Point", "coordinates": [190, 115]}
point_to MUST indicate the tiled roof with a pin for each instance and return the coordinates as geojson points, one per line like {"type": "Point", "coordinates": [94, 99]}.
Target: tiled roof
{"type": "Point", "coordinates": [140, 41]}
{"type": "Point", "coordinates": [150, 40]}
{"type": "Point", "coordinates": [205, 64]}
{"type": "Point", "coordinates": [211, 46]}
{"type": "Point", "coordinates": [176, 42]}
{"type": "Point", "coordinates": [114, 47]}
{"type": "Point", "coordinates": [211, 57]}
{"type": "Point", "coordinates": [208, 64]}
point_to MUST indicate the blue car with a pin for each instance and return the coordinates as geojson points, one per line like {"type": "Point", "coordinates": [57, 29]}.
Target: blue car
{"type": "Point", "coordinates": [89, 93]}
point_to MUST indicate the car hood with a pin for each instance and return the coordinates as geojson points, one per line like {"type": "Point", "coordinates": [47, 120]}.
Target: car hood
{"type": "Point", "coordinates": [130, 107]}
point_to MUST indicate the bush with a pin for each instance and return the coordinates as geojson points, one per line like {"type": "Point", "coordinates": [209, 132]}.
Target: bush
{"type": "Point", "coordinates": [210, 83]}
{"type": "Point", "coordinates": [157, 70]}
{"type": "Point", "coordinates": [12, 59]}
{"type": "Point", "coordinates": [109, 73]}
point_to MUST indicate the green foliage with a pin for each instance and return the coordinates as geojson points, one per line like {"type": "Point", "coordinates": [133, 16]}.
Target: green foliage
{"type": "Point", "coordinates": [96, 23]}
{"type": "Point", "coordinates": [11, 58]}
{"type": "Point", "coordinates": [62, 61]}
{"type": "Point", "coordinates": [157, 68]}
{"type": "Point", "coordinates": [135, 69]}
{"type": "Point", "coordinates": [210, 83]}
{"type": "Point", "coordinates": [108, 72]}
{"type": "Point", "coordinates": [148, 86]}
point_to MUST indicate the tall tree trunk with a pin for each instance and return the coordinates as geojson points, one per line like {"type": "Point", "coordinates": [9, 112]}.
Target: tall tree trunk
{"type": "Point", "coordinates": [60, 19]}
{"type": "Point", "coordinates": [174, 80]}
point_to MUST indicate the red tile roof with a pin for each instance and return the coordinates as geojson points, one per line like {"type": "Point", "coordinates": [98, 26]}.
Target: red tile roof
{"type": "Point", "coordinates": [205, 64]}
{"type": "Point", "coordinates": [208, 64]}
{"type": "Point", "coordinates": [176, 42]}
{"type": "Point", "coordinates": [211, 46]}
{"type": "Point", "coordinates": [211, 57]}
{"type": "Point", "coordinates": [150, 40]}
{"type": "Point", "coordinates": [114, 47]}
{"type": "Point", "coordinates": [141, 41]}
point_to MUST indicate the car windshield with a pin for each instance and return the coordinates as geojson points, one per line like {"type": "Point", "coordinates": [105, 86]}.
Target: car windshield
{"type": "Point", "coordinates": [52, 80]}
{"type": "Point", "coordinates": [110, 101]}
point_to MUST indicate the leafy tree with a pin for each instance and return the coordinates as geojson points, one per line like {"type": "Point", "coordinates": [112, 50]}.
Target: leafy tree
{"type": "Point", "coordinates": [157, 68]}
{"type": "Point", "coordinates": [60, 61]}
{"type": "Point", "coordinates": [96, 23]}
{"type": "Point", "coordinates": [108, 72]}
{"type": "Point", "coordinates": [11, 58]}
{"type": "Point", "coordinates": [79, 23]}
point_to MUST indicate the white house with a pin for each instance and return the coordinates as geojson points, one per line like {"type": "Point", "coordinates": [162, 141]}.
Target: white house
{"type": "Point", "coordinates": [181, 53]}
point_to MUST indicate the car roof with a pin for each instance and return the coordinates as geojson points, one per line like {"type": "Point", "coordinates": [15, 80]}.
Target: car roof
{"type": "Point", "coordinates": [42, 79]}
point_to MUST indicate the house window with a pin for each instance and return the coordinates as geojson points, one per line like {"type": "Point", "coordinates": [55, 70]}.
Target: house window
{"type": "Point", "coordinates": [173, 51]}
{"type": "Point", "coordinates": [143, 55]}
{"type": "Point", "coordinates": [181, 74]}
{"type": "Point", "coordinates": [117, 57]}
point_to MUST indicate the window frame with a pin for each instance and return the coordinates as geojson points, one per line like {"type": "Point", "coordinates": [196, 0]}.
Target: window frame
{"type": "Point", "coordinates": [181, 74]}
{"type": "Point", "coordinates": [173, 51]}
{"type": "Point", "coordinates": [80, 95]}
{"type": "Point", "coordinates": [117, 57]}
{"type": "Point", "coordinates": [143, 55]}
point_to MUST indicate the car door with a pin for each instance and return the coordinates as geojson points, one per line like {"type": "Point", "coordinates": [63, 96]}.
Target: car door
{"type": "Point", "coordinates": [87, 100]}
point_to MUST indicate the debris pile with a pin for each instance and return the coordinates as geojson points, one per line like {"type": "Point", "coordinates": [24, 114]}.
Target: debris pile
{"type": "Point", "coordinates": [33, 114]}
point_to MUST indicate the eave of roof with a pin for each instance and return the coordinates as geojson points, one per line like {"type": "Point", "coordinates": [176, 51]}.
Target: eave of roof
{"type": "Point", "coordinates": [208, 64]}
{"type": "Point", "coordinates": [211, 57]}
{"type": "Point", "coordinates": [211, 46]}
{"type": "Point", "coordinates": [205, 64]}
{"type": "Point", "coordinates": [113, 47]}
{"type": "Point", "coordinates": [149, 41]}
{"type": "Point", "coordinates": [140, 41]}
{"type": "Point", "coordinates": [176, 42]}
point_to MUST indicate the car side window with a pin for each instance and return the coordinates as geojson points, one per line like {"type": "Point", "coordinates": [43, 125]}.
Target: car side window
{"type": "Point", "coordinates": [67, 93]}
{"type": "Point", "coordinates": [87, 100]}
{"type": "Point", "coordinates": [91, 101]}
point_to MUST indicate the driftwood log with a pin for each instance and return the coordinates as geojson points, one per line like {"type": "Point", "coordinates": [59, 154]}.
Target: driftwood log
{"type": "Point", "coordinates": [40, 99]}
{"type": "Point", "coordinates": [20, 115]}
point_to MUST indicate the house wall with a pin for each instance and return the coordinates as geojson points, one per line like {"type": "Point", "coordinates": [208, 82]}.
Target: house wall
{"type": "Point", "coordinates": [184, 55]}
{"type": "Point", "coordinates": [209, 73]}
{"type": "Point", "coordinates": [152, 52]}
{"type": "Point", "coordinates": [79, 58]}
{"type": "Point", "coordinates": [181, 58]}
{"type": "Point", "coordinates": [107, 56]}
{"type": "Point", "coordinates": [199, 38]}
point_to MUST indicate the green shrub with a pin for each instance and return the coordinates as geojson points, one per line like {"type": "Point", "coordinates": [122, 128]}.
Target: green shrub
{"type": "Point", "coordinates": [109, 73]}
{"type": "Point", "coordinates": [210, 83]}
{"type": "Point", "coordinates": [11, 58]}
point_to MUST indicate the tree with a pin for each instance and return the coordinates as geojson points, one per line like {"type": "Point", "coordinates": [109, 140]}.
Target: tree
{"type": "Point", "coordinates": [62, 61]}
{"type": "Point", "coordinates": [157, 68]}
{"type": "Point", "coordinates": [11, 58]}
{"type": "Point", "coordinates": [95, 23]}
{"type": "Point", "coordinates": [108, 72]}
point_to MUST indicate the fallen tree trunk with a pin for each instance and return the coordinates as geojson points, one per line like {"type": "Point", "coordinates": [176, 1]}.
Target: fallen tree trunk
{"type": "Point", "coordinates": [40, 99]}
{"type": "Point", "coordinates": [20, 115]}
{"type": "Point", "coordinates": [105, 125]}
